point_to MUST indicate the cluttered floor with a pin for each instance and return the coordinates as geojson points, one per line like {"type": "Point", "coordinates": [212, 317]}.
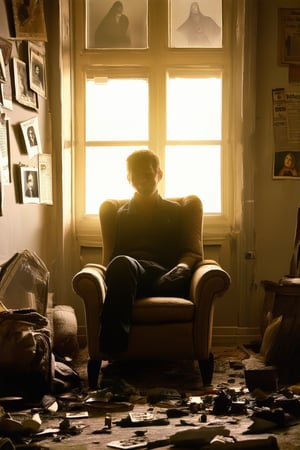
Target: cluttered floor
{"type": "Point", "coordinates": [158, 404]}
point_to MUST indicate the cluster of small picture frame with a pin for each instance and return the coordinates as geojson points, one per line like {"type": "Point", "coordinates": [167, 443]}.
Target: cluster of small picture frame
{"type": "Point", "coordinates": [23, 79]}
{"type": "Point", "coordinates": [29, 77]}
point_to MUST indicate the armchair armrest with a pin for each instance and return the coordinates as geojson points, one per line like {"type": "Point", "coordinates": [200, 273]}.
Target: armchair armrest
{"type": "Point", "coordinates": [209, 281]}
{"type": "Point", "coordinates": [89, 284]}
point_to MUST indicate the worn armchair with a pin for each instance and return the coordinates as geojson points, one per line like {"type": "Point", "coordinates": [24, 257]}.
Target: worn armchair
{"type": "Point", "coordinates": [164, 328]}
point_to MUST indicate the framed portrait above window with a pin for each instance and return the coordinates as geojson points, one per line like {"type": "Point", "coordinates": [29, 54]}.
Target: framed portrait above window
{"type": "Point", "coordinates": [37, 69]}
{"type": "Point", "coordinates": [196, 24]}
{"type": "Point", "coordinates": [114, 24]}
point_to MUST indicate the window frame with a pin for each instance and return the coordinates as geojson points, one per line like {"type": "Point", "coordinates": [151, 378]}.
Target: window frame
{"type": "Point", "coordinates": [96, 61]}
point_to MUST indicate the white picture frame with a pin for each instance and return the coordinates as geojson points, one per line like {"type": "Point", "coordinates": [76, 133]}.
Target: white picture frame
{"type": "Point", "coordinates": [29, 179]}
{"type": "Point", "coordinates": [31, 135]}
{"type": "Point", "coordinates": [37, 69]}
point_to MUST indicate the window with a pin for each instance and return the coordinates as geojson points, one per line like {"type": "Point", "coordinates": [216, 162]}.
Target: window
{"type": "Point", "coordinates": [175, 101]}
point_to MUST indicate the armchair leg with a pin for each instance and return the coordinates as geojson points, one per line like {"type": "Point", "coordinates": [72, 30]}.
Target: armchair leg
{"type": "Point", "coordinates": [206, 367]}
{"type": "Point", "coordinates": [93, 370]}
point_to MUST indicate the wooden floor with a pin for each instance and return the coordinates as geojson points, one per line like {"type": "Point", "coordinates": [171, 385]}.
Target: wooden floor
{"type": "Point", "coordinates": [186, 378]}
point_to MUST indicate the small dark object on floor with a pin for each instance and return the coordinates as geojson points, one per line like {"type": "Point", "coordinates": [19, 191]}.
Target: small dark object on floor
{"type": "Point", "coordinates": [222, 404]}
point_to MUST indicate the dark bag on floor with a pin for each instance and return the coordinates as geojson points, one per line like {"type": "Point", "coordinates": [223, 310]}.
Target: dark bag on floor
{"type": "Point", "coordinates": [26, 360]}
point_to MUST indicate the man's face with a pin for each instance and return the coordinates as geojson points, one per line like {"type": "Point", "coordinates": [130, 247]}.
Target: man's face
{"type": "Point", "coordinates": [144, 178]}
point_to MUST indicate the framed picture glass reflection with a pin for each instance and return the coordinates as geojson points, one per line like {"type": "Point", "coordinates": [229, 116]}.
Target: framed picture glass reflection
{"type": "Point", "coordinates": [114, 24]}
{"type": "Point", "coordinates": [195, 24]}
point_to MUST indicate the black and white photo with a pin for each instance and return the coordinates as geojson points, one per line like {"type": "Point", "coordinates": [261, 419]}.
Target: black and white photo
{"type": "Point", "coordinates": [31, 135]}
{"type": "Point", "coordinates": [37, 72]}
{"type": "Point", "coordinates": [23, 94]}
{"type": "Point", "coordinates": [29, 184]}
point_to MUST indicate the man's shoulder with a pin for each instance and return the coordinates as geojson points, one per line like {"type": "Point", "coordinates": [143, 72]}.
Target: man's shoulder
{"type": "Point", "coordinates": [169, 204]}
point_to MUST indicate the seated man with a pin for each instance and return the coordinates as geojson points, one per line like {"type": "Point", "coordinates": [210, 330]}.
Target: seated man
{"type": "Point", "coordinates": [152, 256]}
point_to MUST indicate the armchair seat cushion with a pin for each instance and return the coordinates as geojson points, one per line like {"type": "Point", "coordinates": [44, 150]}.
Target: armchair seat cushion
{"type": "Point", "coordinates": [163, 310]}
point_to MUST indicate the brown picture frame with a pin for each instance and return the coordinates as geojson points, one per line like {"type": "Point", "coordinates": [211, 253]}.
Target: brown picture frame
{"type": "Point", "coordinates": [289, 35]}
{"type": "Point", "coordinates": [23, 94]}
{"type": "Point", "coordinates": [29, 20]}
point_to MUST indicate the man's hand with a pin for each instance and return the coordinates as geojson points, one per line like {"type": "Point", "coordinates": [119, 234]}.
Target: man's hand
{"type": "Point", "coordinates": [174, 283]}
{"type": "Point", "coordinates": [180, 271]}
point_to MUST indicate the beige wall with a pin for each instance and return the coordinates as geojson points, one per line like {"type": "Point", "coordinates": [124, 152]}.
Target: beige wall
{"type": "Point", "coordinates": [25, 225]}
{"type": "Point", "coordinates": [276, 201]}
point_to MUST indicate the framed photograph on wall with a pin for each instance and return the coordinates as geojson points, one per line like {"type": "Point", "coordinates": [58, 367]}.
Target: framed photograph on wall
{"type": "Point", "coordinates": [116, 24]}
{"type": "Point", "coordinates": [31, 134]}
{"type": "Point", "coordinates": [23, 94]}
{"type": "Point", "coordinates": [29, 19]}
{"type": "Point", "coordinates": [29, 184]}
{"type": "Point", "coordinates": [5, 168]}
{"type": "Point", "coordinates": [37, 69]}
{"type": "Point", "coordinates": [45, 178]}
{"type": "Point", "coordinates": [289, 35]}
{"type": "Point", "coordinates": [2, 68]}
{"type": "Point", "coordinates": [286, 164]}
{"type": "Point", "coordinates": [6, 47]}
{"type": "Point", "coordinates": [6, 90]}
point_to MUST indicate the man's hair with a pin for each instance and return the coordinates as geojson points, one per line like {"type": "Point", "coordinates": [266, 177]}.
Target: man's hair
{"type": "Point", "coordinates": [138, 157]}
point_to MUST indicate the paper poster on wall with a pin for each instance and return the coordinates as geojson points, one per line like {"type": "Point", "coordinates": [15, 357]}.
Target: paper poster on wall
{"type": "Point", "coordinates": [286, 126]}
{"type": "Point", "coordinates": [45, 178]}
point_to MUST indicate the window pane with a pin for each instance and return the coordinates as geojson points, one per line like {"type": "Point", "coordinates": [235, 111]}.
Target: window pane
{"type": "Point", "coordinates": [194, 108]}
{"type": "Point", "coordinates": [195, 170]}
{"type": "Point", "coordinates": [116, 109]}
{"type": "Point", "coordinates": [106, 175]}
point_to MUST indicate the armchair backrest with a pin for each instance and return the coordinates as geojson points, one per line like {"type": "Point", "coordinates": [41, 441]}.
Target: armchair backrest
{"type": "Point", "coordinates": [192, 211]}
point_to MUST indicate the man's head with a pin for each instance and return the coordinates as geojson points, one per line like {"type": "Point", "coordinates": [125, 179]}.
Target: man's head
{"type": "Point", "coordinates": [144, 172]}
